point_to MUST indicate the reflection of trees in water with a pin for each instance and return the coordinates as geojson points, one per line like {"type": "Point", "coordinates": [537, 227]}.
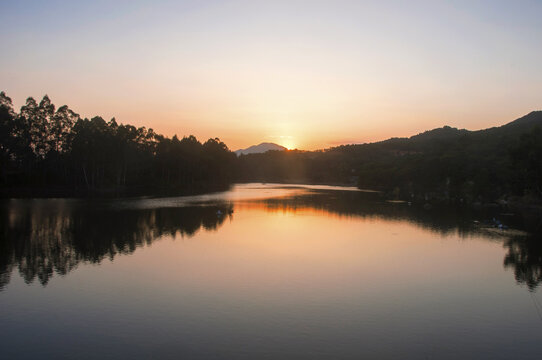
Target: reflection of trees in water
{"type": "Point", "coordinates": [40, 238]}
{"type": "Point", "coordinates": [43, 237]}
{"type": "Point", "coordinates": [444, 220]}
{"type": "Point", "coordinates": [524, 253]}
{"type": "Point", "coordinates": [37, 242]}
{"type": "Point", "coordinates": [525, 257]}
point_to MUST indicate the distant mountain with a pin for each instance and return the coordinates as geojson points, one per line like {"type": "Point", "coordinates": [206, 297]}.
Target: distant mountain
{"type": "Point", "coordinates": [454, 165]}
{"type": "Point", "coordinates": [261, 148]}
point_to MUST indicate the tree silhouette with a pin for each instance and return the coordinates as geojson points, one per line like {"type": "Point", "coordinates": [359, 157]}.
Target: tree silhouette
{"type": "Point", "coordinates": [47, 151]}
{"type": "Point", "coordinates": [52, 151]}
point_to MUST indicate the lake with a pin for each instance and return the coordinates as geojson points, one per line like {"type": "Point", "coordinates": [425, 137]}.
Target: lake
{"type": "Point", "coordinates": [266, 271]}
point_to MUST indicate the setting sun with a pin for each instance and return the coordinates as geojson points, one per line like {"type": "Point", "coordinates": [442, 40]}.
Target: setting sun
{"type": "Point", "coordinates": [288, 142]}
{"type": "Point", "coordinates": [241, 71]}
{"type": "Point", "coordinates": [246, 179]}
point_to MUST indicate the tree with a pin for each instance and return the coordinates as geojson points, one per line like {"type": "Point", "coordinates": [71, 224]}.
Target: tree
{"type": "Point", "coordinates": [527, 162]}
{"type": "Point", "coordinates": [7, 116]}
{"type": "Point", "coordinates": [60, 129]}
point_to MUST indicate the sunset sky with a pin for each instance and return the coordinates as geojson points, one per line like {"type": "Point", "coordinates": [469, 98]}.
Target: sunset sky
{"type": "Point", "coordinates": [305, 74]}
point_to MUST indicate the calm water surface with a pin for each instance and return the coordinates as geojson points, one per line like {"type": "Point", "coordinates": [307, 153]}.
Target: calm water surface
{"type": "Point", "coordinates": [264, 272]}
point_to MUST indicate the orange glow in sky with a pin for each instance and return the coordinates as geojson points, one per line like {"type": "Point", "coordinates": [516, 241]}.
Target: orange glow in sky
{"type": "Point", "coordinates": [303, 74]}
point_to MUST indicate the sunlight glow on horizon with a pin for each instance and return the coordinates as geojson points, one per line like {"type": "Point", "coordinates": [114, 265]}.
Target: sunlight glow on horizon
{"type": "Point", "coordinates": [288, 142]}
{"type": "Point", "coordinates": [319, 74]}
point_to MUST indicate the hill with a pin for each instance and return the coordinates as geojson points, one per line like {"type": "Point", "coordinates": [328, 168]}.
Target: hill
{"type": "Point", "coordinates": [45, 151]}
{"type": "Point", "coordinates": [260, 148]}
{"type": "Point", "coordinates": [445, 163]}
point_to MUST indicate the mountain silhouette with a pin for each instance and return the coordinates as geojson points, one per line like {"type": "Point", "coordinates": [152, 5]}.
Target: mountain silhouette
{"type": "Point", "coordinates": [260, 148]}
{"type": "Point", "coordinates": [444, 164]}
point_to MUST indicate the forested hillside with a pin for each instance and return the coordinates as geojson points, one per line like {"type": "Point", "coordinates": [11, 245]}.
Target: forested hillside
{"type": "Point", "coordinates": [444, 163]}
{"type": "Point", "coordinates": [49, 151]}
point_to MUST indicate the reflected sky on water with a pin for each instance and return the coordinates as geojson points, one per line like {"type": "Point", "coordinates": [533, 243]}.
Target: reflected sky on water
{"type": "Point", "coordinates": [266, 271]}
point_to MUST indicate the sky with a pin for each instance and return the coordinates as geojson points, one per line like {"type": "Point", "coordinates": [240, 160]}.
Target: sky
{"type": "Point", "coordinates": [303, 74]}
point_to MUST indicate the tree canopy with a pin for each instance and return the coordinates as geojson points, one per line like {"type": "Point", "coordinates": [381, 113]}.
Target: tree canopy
{"type": "Point", "coordinates": [55, 151]}
{"type": "Point", "coordinates": [59, 152]}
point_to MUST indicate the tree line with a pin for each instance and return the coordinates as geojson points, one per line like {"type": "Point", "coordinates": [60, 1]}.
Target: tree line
{"type": "Point", "coordinates": [53, 151]}
{"type": "Point", "coordinates": [444, 164]}
{"type": "Point", "coordinates": [56, 152]}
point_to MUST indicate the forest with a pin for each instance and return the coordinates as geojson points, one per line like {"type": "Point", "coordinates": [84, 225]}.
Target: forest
{"type": "Point", "coordinates": [49, 151]}
{"type": "Point", "coordinates": [444, 164]}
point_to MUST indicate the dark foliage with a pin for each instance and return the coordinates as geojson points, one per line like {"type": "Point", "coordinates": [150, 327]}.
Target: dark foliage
{"type": "Point", "coordinates": [53, 152]}
{"type": "Point", "coordinates": [446, 164]}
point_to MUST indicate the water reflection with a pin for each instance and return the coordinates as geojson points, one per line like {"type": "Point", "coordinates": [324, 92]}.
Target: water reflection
{"type": "Point", "coordinates": [524, 252]}
{"type": "Point", "coordinates": [443, 220]}
{"type": "Point", "coordinates": [42, 237]}
{"type": "Point", "coordinates": [525, 258]}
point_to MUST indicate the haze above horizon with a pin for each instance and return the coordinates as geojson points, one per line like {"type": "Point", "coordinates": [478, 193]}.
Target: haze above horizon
{"type": "Point", "coordinates": [303, 74]}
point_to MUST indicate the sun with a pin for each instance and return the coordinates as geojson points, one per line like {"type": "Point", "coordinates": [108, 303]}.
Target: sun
{"type": "Point", "coordinates": [288, 142]}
